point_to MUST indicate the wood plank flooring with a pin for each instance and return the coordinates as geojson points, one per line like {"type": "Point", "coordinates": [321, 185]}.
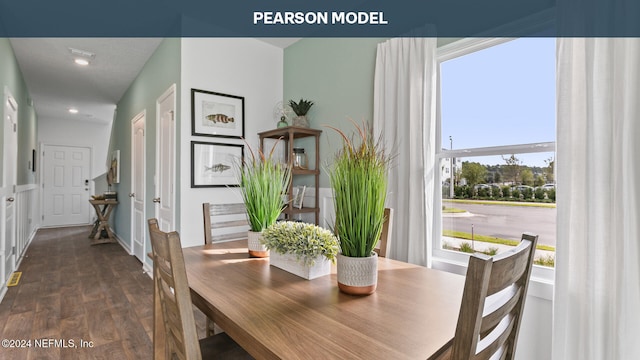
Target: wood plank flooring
{"type": "Point", "coordinates": [70, 290]}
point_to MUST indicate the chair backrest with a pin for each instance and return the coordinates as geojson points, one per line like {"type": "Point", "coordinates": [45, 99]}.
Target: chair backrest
{"type": "Point", "coordinates": [224, 222]}
{"type": "Point", "coordinates": [383, 245]}
{"type": "Point", "coordinates": [172, 289]}
{"type": "Point", "coordinates": [492, 303]}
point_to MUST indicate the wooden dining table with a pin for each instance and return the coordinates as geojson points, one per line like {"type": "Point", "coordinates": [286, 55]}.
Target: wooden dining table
{"type": "Point", "coordinates": [274, 314]}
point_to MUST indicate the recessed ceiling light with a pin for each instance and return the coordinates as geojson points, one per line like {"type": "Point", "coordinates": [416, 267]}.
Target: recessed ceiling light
{"type": "Point", "coordinates": [80, 61]}
{"type": "Point", "coordinates": [73, 110]}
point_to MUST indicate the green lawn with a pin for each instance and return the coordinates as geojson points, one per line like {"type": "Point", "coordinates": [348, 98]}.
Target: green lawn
{"type": "Point", "coordinates": [492, 202]}
{"type": "Point", "coordinates": [490, 239]}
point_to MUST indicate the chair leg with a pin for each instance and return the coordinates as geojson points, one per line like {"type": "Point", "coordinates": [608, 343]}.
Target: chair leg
{"type": "Point", "coordinates": [210, 328]}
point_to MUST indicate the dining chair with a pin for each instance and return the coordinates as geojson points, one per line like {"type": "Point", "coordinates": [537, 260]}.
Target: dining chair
{"type": "Point", "coordinates": [224, 222]}
{"type": "Point", "coordinates": [172, 295]}
{"type": "Point", "coordinates": [492, 303]}
{"type": "Point", "coordinates": [387, 227]}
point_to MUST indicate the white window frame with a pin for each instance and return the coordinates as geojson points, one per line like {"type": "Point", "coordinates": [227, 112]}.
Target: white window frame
{"type": "Point", "coordinates": [542, 278]}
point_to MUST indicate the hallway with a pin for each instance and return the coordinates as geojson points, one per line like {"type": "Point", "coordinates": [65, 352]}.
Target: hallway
{"type": "Point", "coordinates": [70, 290]}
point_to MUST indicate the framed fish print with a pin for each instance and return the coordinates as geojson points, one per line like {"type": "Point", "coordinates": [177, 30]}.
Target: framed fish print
{"type": "Point", "coordinates": [214, 164]}
{"type": "Point", "coordinates": [216, 114]}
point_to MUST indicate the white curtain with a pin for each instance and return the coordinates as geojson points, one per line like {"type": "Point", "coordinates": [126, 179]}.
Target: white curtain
{"type": "Point", "coordinates": [597, 287]}
{"type": "Point", "coordinates": [405, 113]}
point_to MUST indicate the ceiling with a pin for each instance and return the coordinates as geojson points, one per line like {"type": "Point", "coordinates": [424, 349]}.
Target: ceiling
{"type": "Point", "coordinates": [56, 83]}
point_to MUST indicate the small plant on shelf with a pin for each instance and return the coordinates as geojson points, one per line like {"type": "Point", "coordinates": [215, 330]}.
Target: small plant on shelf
{"type": "Point", "coordinates": [302, 107]}
{"type": "Point", "coordinates": [307, 242]}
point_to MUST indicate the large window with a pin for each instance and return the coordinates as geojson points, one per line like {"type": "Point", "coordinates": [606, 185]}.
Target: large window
{"type": "Point", "coordinates": [497, 154]}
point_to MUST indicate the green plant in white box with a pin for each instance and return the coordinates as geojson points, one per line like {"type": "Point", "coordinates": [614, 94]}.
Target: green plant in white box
{"type": "Point", "coordinates": [311, 247]}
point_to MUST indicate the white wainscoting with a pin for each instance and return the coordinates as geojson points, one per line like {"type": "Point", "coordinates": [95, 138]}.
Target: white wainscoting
{"type": "Point", "coordinates": [27, 212]}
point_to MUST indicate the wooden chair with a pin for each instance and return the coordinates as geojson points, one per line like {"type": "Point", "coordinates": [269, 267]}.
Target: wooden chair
{"type": "Point", "coordinates": [172, 297]}
{"type": "Point", "coordinates": [224, 222]}
{"type": "Point", "coordinates": [383, 245]}
{"type": "Point", "coordinates": [492, 303]}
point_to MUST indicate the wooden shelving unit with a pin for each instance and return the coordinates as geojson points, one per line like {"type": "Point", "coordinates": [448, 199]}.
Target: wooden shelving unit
{"type": "Point", "coordinates": [289, 134]}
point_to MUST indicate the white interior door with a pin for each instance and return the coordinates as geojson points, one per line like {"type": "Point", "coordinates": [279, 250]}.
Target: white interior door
{"type": "Point", "coordinates": [9, 180]}
{"type": "Point", "coordinates": [66, 185]}
{"type": "Point", "coordinates": [137, 187]}
{"type": "Point", "coordinates": [165, 165]}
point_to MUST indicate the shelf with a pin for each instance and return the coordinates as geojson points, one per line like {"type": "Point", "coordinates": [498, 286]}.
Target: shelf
{"type": "Point", "coordinates": [297, 132]}
{"type": "Point", "coordinates": [304, 172]}
{"type": "Point", "coordinates": [304, 210]}
{"type": "Point", "coordinates": [289, 134]}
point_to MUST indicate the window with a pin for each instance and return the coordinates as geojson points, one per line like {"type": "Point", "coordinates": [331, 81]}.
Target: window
{"type": "Point", "coordinates": [497, 130]}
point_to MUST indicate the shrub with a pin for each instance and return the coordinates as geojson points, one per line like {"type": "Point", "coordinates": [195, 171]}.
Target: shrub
{"type": "Point", "coordinates": [545, 260]}
{"type": "Point", "coordinates": [491, 251]}
{"type": "Point", "coordinates": [466, 247]}
{"type": "Point", "coordinates": [305, 241]}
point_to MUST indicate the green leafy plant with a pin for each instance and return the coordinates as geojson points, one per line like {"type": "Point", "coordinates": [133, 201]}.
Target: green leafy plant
{"type": "Point", "coordinates": [466, 247]}
{"type": "Point", "coordinates": [263, 180]}
{"type": "Point", "coordinates": [359, 180]}
{"type": "Point", "coordinates": [306, 241]}
{"type": "Point", "coordinates": [302, 107]}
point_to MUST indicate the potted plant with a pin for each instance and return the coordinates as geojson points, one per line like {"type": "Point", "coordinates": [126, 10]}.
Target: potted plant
{"type": "Point", "coordinates": [359, 180]}
{"type": "Point", "coordinates": [263, 180]}
{"type": "Point", "coordinates": [301, 108]}
{"type": "Point", "coordinates": [303, 249]}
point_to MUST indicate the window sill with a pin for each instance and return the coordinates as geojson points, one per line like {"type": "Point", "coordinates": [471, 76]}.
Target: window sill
{"type": "Point", "coordinates": [541, 283]}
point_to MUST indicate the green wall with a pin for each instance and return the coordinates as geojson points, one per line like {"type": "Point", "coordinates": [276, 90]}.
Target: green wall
{"type": "Point", "coordinates": [337, 75]}
{"type": "Point", "coordinates": [158, 74]}
{"type": "Point", "coordinates": [11, 77]}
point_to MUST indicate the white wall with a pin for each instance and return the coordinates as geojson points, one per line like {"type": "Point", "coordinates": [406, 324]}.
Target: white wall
{"type": "Point", "coordinates": [235, 66]}
{"type": "Point", "coordinates": [78, 133]}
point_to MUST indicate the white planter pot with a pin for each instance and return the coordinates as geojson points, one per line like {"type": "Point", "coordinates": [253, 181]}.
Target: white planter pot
{"type": "Point", "coordinates": [288, 262]}
{"type": "Point", "coordinates": [256, 249]}
{"type": "Point", "coordinates": [357, 276]}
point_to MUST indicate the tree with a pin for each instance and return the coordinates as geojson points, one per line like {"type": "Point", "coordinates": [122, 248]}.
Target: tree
{"type": "Point", "coordinates": [474, 172]}
{"type": "Point", "coordinates": [548, 171]}
{"type": "Point", "coordinates": [526, 175]}
{"type": "Point", "coordinates": [497, 177]}
{"type": "Point", "coordinates": [539, 181]}
{"type": "Point", "coordinates": [511, 170]}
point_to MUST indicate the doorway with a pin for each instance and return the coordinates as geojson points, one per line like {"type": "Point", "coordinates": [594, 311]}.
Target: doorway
{"type": "Point", "coordinates": [138, 186]}
{"type": "Point", "coordinates": [66, 185]}
{"type": "Point", "coordinates": [165, 161]}
{"type": "Point", "coordinates": [9, 180]}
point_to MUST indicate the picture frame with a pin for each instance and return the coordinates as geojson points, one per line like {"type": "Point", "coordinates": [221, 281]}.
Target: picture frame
{"type": "Point", "coordinates": [212, 164]}
{"type": "Point", "coordinates": [114, 166]}
{"type": "Point", "coordinates": [298, 196]}
{"type": "Point", "coordinates": [216, 114]}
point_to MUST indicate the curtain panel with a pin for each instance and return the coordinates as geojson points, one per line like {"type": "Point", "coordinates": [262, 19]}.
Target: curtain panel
{"type": "Point", "coordinates": [405, 114]}
{"type": "Point", "coordinates": [597, 286]}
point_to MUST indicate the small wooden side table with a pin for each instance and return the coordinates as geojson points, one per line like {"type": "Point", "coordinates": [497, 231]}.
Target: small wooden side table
{"type": "Point", "coordinates": [103, 221]}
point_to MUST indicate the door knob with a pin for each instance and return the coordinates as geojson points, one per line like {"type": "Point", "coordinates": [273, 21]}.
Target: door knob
{"type": "Point", "coordinates": [156, 200]}
{"type": "Point", "coordinates": [132, 194]}
{"type": "Point", "coordinates": [10, 199]}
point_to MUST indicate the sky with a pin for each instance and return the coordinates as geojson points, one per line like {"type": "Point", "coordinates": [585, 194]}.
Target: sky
{"type": "Point", "coordinates": [503, 95]}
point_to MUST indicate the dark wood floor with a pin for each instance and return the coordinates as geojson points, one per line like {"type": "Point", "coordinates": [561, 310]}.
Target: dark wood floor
{"type": "Point", "coordinates": [70, 290]}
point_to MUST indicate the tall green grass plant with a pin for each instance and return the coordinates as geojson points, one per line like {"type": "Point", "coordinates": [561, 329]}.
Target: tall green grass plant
{"type": "Point", "coordinates": [263, 182]}
{"type": "Point", "coordinates": [359, 180]}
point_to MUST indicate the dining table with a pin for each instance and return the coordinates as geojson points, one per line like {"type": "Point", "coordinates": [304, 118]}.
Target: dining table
{"type": "Point", "coordinates": [274, 314]}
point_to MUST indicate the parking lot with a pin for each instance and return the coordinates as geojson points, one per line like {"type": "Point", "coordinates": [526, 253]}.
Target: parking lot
{"type": "Point", "coordinates": [503, 221]}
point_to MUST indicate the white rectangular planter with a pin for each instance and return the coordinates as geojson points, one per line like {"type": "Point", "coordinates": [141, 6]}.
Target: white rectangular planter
{"type": "Point", "coordinates": [288, 262]}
